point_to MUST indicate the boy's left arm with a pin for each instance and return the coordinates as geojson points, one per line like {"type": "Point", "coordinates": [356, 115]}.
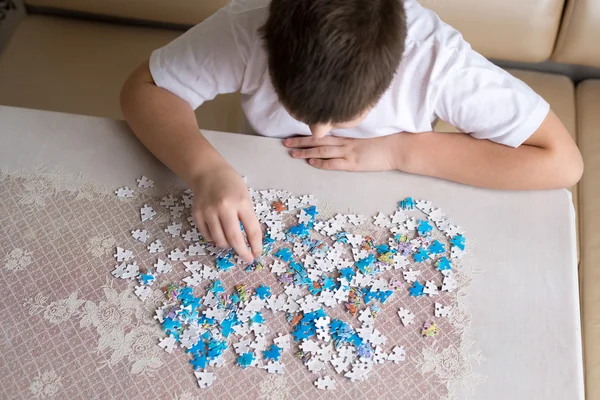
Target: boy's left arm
{"type": "Point", "coordinates": [549, 159]}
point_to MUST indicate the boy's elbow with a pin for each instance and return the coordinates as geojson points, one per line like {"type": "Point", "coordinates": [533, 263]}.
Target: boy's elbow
{"type": "Point", "coordinates": [139, 77]}
{"type": "Point", "coordinates": [576, 170]}
{"type": "Point", "coordinates": [569, 167]}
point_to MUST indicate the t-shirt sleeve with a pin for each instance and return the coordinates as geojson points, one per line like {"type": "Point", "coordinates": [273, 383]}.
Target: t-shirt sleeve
{"type": "Point", "coordinates": [483, 100]}
{"type": "Point", "coordinates": [202, 63]}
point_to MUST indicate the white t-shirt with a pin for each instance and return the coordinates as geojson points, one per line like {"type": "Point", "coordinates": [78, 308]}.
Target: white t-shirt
{"type": "Point", "coordinates": [440, 76]}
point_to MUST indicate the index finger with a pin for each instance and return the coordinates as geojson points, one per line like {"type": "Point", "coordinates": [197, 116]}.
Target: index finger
{"type": "Point", "coordinates": [311, 141]}
{"type": "Point", "coordinates": [253, 230]}
{"type": "Point", "coordinates": [233, 233]}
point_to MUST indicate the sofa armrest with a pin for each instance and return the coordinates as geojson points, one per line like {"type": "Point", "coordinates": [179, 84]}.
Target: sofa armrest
{"type": "Point", "coordinates": [11, 12]}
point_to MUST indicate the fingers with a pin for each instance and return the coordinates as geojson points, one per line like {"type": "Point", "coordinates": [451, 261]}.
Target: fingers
{"type": "Point", "coordinates": [233, 233]}
{"type": "Point", "coordinates": [253, 231]}
{"type": "Point", "coordinates": [339, 164]}
{"type": "Point", "coordinates": [202, 228]}
{"type": "Point", "coordinates": [311, 141]}
{"type": "Point", "coordinates": [215, 230]}
{"type": "Point", "coordinates": [320, 152]}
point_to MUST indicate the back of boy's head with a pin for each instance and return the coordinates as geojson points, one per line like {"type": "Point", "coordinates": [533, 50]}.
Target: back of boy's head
{"type": "Point", "coordinates": [331, 60]}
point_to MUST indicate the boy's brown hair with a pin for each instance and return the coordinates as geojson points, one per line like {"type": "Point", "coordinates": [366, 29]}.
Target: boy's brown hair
{"type": "Point", "coordinates": [331, 60]}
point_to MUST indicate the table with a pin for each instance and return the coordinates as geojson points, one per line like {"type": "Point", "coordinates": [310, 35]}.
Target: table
{"type": "Point", "coordinates": [523, 300]}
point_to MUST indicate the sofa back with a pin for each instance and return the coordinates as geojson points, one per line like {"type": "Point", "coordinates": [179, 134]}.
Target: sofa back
{"type": "Point", "coordinates": [515, 30]}
{"type": "Point", "coordinates": [579, 38]}
{"type": "Point", "coordinates": [178, 12]}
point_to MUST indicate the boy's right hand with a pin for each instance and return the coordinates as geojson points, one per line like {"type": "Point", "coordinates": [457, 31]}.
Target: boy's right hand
{"type": "Point", "coordinates": [221, 201]}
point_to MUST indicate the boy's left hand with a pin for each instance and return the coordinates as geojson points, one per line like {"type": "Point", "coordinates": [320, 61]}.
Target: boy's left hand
{"type": "Point", "coordinates": [346, 154]}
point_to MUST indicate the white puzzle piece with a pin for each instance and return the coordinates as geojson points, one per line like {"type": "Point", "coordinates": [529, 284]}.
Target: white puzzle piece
{"type": "Point", "coordinates": [205, 379]}
{"type": "Point", "coordinates": [123, 255]}
{"type": "Point", "coordinates": [124, 193]}
{"type": "Point", "coordinates": [441, 310]}
{"type": "Point", "coordinates": [325, 383]}
{"type": "Point", "coordinates": [405, 316]}
{"type": "Point", "coordinates": [397, 355]}
{"type": "Point", "coordinates": [145, 183]}
{"type": "Point", "coordinates": [140, 235]}
{"type": "Point", "coordinates": [155, 247]}
{"type": "Point", "coordinates": [147, 213]}
{"type": "Point", "coordinates": [174, 230]}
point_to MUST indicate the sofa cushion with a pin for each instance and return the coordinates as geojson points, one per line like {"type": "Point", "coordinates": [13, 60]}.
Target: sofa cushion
{"type": "Point", "coordinates": [181, 12]}
{"type": "Point", "coordinates": [578, 39]}
{"type": "Point", "coordinates": [77, 66]}
{"type": "Point", "coordinates": [588, 118]}
{"type": "Point", "coordinates": [523, 30]}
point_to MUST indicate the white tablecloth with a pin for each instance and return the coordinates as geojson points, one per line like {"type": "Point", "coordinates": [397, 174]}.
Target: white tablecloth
{"type": "Point", "coordinates": [524, 298]}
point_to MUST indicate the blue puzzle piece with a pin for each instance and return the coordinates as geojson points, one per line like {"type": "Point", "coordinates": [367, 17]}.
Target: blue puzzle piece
{"type": "Point", "coordinates": [312, 211]}
{"type": "Point", "coordinates": [382, 248]}
{"type": "Point", "coordinates": [299, 333]}
{"type": "Point", "coordinates": [186, 314]}
{"type": "Point", "coordinates": [147, 279]}
{"type": "Point", "coordinates": [263, 292]}
{"type": "Point", "coordinates": [348, 273]}
{"type": "Point", "coordinates": [198, 348]}
{"type": "Point", "coordinates": [421, 255]}
{"type": "Point", "coordinates": [190, 300]}
{"type": "Point", "coordinates": [300, 230]}
{"type": "Point", "coordinates": [407, 204]}
{"type": "Point", "coordinates": [356, 340]}
{"type": "Point", "coordinates": [436, 248]}
{"type": "Point", "coordinates": [199, 361]}
{"type": "Point", "coordinates": [342, 237]}
{"type": "Point", "coordinates": [365, 265]}
{"type": "Point", "coordinates": [298, 269]}
{"type": "Point", "coordinates": [227, 327]}
{"type": "Point", "coordinates": [300, 281]}
{"type": "Point", "coordinates": [245, 360]}
{"type": "Point", "coordinates": [216, 348]}
{"type": "Point", "coordinates": [424, 228]}
{"type": "Point", "coordinates": [383, 295]}
{"type": "Point", "coordinates": [369, 295]}
{"type": "Point", "coordinates": [224, 263]}
{"type": "Point", "coordinates": [257, 318]}
{"type": "Point", "coordinates": [203, 320]}
{"type": "Point", "coordinates": [284, 254]}
{"type": "Point", "coordinates": [416, 290]}
{"type": "Point", "coordinates": [443, 264]}
{"type": "Point", "coordinates": [328, 283]}
{"type": "Point", "coordinates": [272, 353]}
{"type": "Point", "coordinates": [171, 325]}
{"type": "Point", "coordinates": [185, 292]}
{"type": "Point", "coordinates": [341, 332]}
{"type": "Point", "coordinates": [458, 241]}
{"type": "Point", "coordinates": [216, 287]}
{"type": "Point", "coordinates": [314, 315]}
{"type": "Point", "coordinates": [306, 327]}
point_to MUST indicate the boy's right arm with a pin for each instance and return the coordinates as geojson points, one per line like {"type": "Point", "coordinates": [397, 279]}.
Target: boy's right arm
{"type": "Point", "coordinates": [167, 126]}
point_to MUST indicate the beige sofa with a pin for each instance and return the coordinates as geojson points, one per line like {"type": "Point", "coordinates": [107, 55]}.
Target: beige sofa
{"type": "Point", "coordinates": [74, 55]}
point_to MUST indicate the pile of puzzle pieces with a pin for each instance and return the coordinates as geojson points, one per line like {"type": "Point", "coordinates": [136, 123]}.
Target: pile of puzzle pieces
{"type": "Point", "coordinates": [320, 265]}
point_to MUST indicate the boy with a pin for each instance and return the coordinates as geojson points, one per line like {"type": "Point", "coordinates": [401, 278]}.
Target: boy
{"type": "Point", "coordinates": [367, 78]}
